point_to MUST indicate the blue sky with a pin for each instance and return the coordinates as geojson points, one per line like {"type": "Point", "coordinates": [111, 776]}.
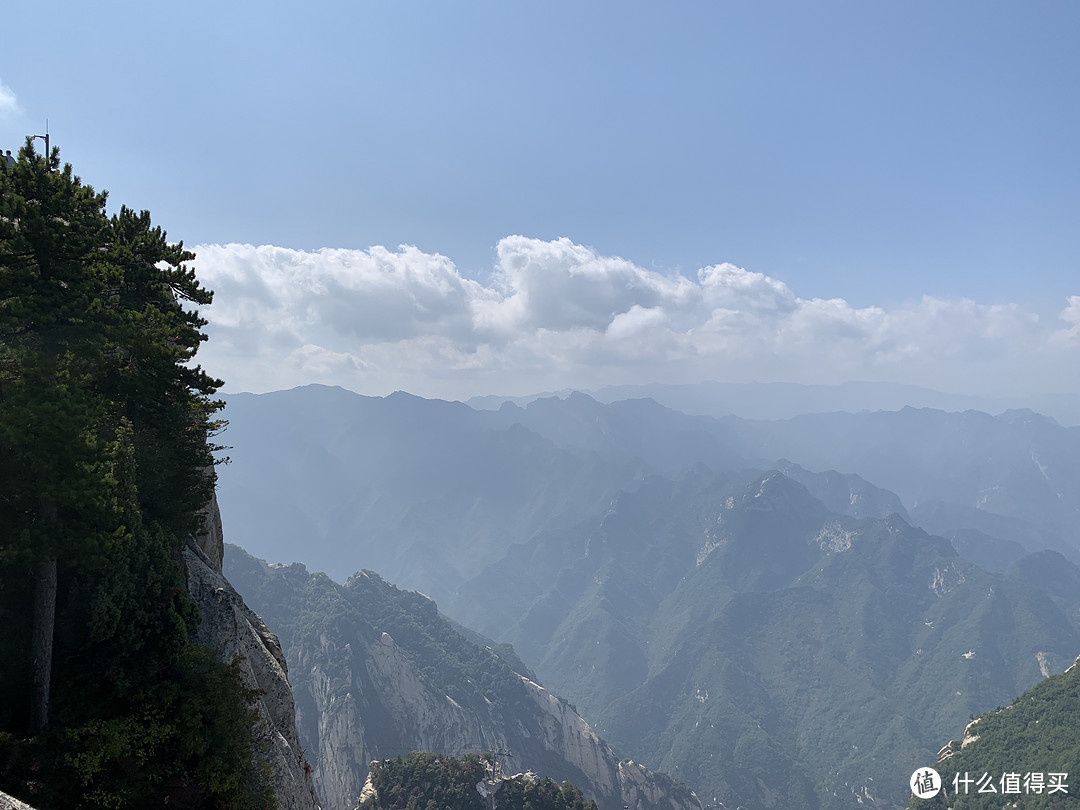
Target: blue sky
{"type": "Point", "coordinates": [915, 161]}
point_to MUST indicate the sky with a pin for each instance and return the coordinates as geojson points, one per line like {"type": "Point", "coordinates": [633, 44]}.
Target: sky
{"type": "Point", "coordinates": [508, 197]}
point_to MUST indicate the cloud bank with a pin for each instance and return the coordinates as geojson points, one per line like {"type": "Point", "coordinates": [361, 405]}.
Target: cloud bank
{"type": "Point", "coordinates": [557, 314]}
{"type": "Point", "coordinates": [9, 104]}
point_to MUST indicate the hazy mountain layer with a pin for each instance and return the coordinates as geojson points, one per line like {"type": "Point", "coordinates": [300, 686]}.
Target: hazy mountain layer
{"type": "Point", "coordinates": [811, 650]}
{"type": "Point", "coordinates": [773, 643]}
{"type": "Point", "coordinates": [770, 652]}
{"type": "Point", "coordinates": [786, 400]}
{"type": "Point", "coordinates": [428, 492]}
{"type": "Point", "coordinates": [1020, 466]}
{"type": "Point", "coordinates": [422, 491]}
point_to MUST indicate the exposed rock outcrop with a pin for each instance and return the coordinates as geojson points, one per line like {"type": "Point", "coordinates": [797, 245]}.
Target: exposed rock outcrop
{"type": "Point", "coordinates": [232, 629]}
{"type": "Point", "coordinates": [564, 731]}
{"type": "Point", "coordinates": [211, 538]}
{"type": "Point", "coordinates": [364, 695]}
{"type": "Point", "coordinates": [11, 803]}
{"type": "Point", "coordinates": [382, 706]}
{"type": "Point", "coordinates": [615, 784]}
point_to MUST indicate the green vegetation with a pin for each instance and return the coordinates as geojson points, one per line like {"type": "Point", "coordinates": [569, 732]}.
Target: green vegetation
{"type": "Point", "coordinates": [421, 781]}
{"type": "Point", "coordinates": [1037, 735]}
{"type": "Point", "coordinates": [784, 673]}
{"type": "Point", "coordinates": [104, 465]}
{"type": "Point", "coordinates": [443, 657]}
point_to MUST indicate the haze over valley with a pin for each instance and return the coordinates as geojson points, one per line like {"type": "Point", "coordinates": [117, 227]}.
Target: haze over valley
{"type": "Point", "coordinates": [709, 593]}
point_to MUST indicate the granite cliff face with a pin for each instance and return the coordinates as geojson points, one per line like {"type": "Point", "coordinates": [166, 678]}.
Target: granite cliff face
{"type": "Point", "coordinates": [377, 672]}
{"type": "Point", "coordinates": [232, 629]}
{"type": "Point", "coordinates": [11, 803]}
{"type": "Point", "coordinates": [211, 539]}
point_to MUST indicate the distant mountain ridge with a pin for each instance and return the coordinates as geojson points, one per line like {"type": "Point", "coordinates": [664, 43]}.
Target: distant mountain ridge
{"type": "Point", "coordinates": [1015, 469]}
{"type": "Point", "coordinates": [786, 400]}
{"type": "Point", "coordinates": [426, 492]}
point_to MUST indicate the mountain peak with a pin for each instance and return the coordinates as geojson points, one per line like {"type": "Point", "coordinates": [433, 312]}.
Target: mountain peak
{"type": "Point", "coordinates": [1026, 416]}
{"type": "Point", "coordinates": [779, 491]}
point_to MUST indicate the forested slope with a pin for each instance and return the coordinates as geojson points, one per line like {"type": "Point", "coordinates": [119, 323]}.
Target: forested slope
{"type": "Point", "coordinates": [1026, 754]}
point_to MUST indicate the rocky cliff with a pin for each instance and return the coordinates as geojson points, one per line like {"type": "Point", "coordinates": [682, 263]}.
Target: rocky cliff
{"type": "Point", "coordinates": [377, 672]}
{"type": "Point", "coordinates": [11, 803]}
{"type": "Point", "coordinates": [233, 629]}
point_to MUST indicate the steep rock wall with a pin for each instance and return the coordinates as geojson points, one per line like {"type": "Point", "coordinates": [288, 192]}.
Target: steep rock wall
{"type": "Point", "coordinates": [11, 803]}
{"type": "Point", "coordinates": [232, 629]}
{"type": "Point", "coordinates": [364, 695]}
{"type": "Point", "coordinates": [379, 706]}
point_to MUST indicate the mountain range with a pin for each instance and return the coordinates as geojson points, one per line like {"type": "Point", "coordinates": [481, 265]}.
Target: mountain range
{"type": "Point", "coordinates": [426, 492]}
{"type": "Point", "coordinates": [730, 600]}
{"type": "Point", "coordinates": [779, 400]}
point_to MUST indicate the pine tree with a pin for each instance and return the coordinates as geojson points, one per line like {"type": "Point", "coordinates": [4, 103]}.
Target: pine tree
{"type": "Point", "coordinates": [51, 227]}
{"type": "Point", "coordinates": [104, 466]}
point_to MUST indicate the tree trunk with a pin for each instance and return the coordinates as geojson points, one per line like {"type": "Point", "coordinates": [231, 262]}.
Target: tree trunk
{"type": "Point", "coordinates": [41, 643]}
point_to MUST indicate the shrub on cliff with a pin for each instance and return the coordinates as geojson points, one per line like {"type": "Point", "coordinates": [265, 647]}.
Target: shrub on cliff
{"type": "Point", "coordinates": [424, 781]}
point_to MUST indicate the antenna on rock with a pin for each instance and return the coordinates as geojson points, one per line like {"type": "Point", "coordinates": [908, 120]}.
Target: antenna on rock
{"type": "Point", "coordinates": [45, 138]}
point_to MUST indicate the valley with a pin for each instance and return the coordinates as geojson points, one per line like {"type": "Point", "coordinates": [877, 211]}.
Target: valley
{"type": "Point", "coordinates": [756, 608]}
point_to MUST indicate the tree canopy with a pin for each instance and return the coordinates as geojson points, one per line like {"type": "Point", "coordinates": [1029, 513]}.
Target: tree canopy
{"type": "Point", "coordinates": [105, 462]}
{"type": "Point", "coordinates": [423, 781]}
{"type": "Point", "coordinates": [1023, 755]}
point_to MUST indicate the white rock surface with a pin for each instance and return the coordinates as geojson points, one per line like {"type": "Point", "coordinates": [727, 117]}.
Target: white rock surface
{"type": "Point", "coordinates": [11, 803]}
{"type": "Point", "coordinates": [385, 692]}
{"type": "Point", "coordinates": [232, 629]}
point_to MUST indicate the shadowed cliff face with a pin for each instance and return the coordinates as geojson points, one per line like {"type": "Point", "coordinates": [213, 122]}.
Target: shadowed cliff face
{"type": "Point", "coordinates": [211, 539]}
{"type": "Point", "coordinates": [232, 629]}
{"type": "Point", "coordinates": [378, 672]}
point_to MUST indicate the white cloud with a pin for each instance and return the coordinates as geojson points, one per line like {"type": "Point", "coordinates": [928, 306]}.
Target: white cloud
{"type": "Point", "coordinates": [559, 285]}
{"type": "Point", "coordinates": [1071, 315]}
{"type": "Point", "coordinates": [9, 104]}
{"type": "Point", "coordinates": [557, 314]}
